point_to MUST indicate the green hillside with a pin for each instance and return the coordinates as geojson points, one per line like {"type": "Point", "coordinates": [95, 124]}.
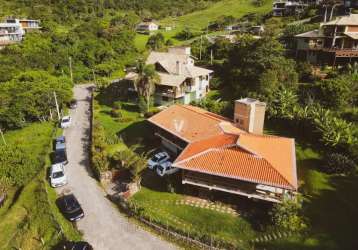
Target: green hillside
{"type": "Point", "coordinates": [198, 20]}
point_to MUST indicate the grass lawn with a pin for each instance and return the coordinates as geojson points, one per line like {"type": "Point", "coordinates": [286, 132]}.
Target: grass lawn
{"type": "Point", "coordinates": [161, 207]}
{"type": "Point", "coordinates": [330, 205]}
{"type": "Point", "coordinates": [30, 218]}
{"type": "Point", "coordinates": [198, 20]}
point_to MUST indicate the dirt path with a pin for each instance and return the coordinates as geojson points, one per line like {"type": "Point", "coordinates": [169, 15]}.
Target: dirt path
{"type": "Point", "coordinates": [103, 226]}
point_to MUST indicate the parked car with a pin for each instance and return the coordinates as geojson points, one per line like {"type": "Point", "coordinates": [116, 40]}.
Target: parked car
{"type": "Point", "coordinates": [70, 207]}
{"type": "Point", "coordinates": [66, 121]}
{"type": "Point", "coordinates": [166, 168]}
{"type": "Point", "coordinates": [79, 245]}
{"type": "Point", "coordinates": [157, 159]}
{"type": "Point", "coordinates": [60, 156]}
{"type": "Point", "coordinates": [73, 104]}
{"type": "Point", "coordinates": [57, 175]}
{"type": "Point", "coordinates": [60, 143]}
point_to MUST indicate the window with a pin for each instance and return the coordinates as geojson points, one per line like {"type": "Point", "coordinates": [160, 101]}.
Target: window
{"type": "Point", "coordinates": [165, 99]}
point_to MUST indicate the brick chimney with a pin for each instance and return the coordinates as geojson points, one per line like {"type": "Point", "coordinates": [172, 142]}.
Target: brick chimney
{"type": "Point", "coordinates": [249, 115]}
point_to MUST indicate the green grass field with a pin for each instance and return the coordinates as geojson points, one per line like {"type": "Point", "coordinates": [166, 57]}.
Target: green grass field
{"type": "Point", "coordinates": [198, 20]}
{"type": "Point", "coordinates": [30, 219]}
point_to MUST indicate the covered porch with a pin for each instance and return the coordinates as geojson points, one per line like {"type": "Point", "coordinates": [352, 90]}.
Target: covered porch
{"type": "Point", "coordinates": [233, 186]}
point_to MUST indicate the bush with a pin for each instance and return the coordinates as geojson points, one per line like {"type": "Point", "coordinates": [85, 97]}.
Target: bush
{"type": "Point", "coordinates": [287, 215]}
{"type": "Point", "coordinates": [125, 119]}
{"type": "Point", "coordinates": [338, 164]}
{"type": "Point", "coordinates": [116, 113]}
{"type": "Point", "coordinates": [117, 105]}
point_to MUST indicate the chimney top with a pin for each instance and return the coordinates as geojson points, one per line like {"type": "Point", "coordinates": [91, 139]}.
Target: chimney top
{"type": "Point", "coordinates": [249, 115]}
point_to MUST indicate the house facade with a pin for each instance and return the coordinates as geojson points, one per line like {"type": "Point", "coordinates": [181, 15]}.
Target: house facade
{"type": "Point", "coordinates": [13, 30]}
{"type": "Point", "coordinates": [334, 43]}
{"type": "Point", "coordinates": [147, 27]}
{"type": "Point", "coordinates": [180, 80]}
{"type": "Point", "coordinates": [235, 157]}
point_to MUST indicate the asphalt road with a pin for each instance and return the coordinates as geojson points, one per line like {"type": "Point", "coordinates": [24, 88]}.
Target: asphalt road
{"type": "Point", "coordinates": [103, 226]}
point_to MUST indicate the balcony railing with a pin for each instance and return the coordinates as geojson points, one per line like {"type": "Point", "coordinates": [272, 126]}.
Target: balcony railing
{"type": "Point", "coordinates": [234, 188]}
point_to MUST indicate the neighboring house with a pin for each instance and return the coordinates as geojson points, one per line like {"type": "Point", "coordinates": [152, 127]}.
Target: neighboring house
{"type": "Point", "coordinates": [335, 43]}
{"type": "Point", "coordinates": [13, 30]}
{"type": "Point", "coordinates": [10, 33]}
{"type": "Point", "coordinates": [291, 7]}
{"type": "Point", "coordinates": [147, 27]}
{"type": "Point", "coordinates": [180, 80]}
{"type": "Point", "coordinates": [216, 153]}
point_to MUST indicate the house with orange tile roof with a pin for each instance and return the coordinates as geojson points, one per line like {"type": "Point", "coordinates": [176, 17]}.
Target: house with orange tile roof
{"type": "Point", "coordinates": [216, 153]}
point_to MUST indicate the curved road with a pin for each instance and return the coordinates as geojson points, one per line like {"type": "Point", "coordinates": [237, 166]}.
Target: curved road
{"type": "Point", "coordinates": [103, 226]}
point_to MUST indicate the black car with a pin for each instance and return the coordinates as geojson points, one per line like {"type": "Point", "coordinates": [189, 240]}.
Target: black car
{"type": "Point", "coordinates": [80, 245]}
{"type": "Point", "coordinates": [70, 207]}
{"type": "Point", "coordinates": [73, 104]}
{"type": "Point", "coordinates": [60, 156]}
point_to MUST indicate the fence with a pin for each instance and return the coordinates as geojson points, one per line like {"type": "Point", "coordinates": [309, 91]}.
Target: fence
{"type": "Point", "coordinates": [202, 241]}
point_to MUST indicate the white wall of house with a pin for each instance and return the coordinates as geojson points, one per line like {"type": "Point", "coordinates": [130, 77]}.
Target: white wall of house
{"type": "Point", "coordinates": [152, 27]}
{"type": "Point", "coordinates": [201, 86]}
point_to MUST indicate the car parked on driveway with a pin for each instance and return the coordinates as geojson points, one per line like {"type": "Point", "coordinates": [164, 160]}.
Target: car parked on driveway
{"type": "Point", "coordinates": [60, 156]}
{"type": "Point", "coordinates": [166, 168]}
{"type": "Point", "coordinates": [158, 159]}
{"type": "Point", "coordinates": [79, 245]}
{"type": "Point", "coordinates": [73, 104]}
{"type": "Point", "coordinates": [66, 121]}
{"type": "Point", "coordinates": [70, 207]}
{"type": "Point", "coordinates": [60, 143]}
{"type": "Point", "coordinates": [57, 175]}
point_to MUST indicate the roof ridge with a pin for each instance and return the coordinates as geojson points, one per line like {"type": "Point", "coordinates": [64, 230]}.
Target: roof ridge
{"type": "Point", "coordinates": [213, 116]}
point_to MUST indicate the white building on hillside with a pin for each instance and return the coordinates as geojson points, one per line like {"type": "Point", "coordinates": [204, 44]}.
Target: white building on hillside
{"type": "Point", "coordinates": [180, 80]}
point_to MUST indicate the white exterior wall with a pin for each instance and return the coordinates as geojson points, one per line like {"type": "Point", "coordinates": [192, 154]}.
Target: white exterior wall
{"type": "Point", "coordinates": [152, 27]}
{"type": "Point", "coordinates": [200, 88]}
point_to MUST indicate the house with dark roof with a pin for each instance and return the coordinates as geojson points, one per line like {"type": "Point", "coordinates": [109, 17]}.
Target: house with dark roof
{"type": "Point", "coordinates": [180, 80]}
{"type": "Point", "coordinates": [216, 153]}
{"type": "Point", "coordinates": [334, 43]}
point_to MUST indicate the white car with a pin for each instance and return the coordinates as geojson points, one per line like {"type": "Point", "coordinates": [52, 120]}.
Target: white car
{"type": "Point", "coordinates": [166, 168]}
{"type": "Point", "coordinates": [66, 121]}
{"type": "Point", "coordinates": [57, 175]}
{"type": "Point", "coordinates": [157, 159]}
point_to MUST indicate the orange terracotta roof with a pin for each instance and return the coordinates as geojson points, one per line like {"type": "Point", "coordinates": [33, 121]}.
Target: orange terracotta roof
{"type": "Point", "coordinates": [278, 151]}
{"type": "Point", "coordinates": [236, 163]}
{"type": "Point", "coordinates": [216, 146]}
{"type": "Point", "coordinates": [189, 123]}
{"type": "Point", "coordinates": [212, 142]}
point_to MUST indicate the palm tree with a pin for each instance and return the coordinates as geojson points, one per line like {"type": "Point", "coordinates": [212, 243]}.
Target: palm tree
{"type": "Point", "coordinates": [146, 80]}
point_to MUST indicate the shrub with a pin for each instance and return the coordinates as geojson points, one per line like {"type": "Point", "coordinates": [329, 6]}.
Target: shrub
{"type": "Point", "coordinates": [125, 119]}
{"type": "Point", "coordinates": [338, 163]}
{"type": "Point", "coordinates": [287, 215]}
{"type": "Point", "coordinates": [117, 105]}
{"type": "Point", "coordinates": [116, 113]}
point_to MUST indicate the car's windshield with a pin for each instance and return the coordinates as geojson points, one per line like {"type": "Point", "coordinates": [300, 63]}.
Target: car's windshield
{"type": "Point", "coordinates": [57, 174]}
{"type": "Point", "coordinates": [65, 120]}
{"type": "Point", "coordinates": [157, 158]}
{"type": "Point", "coordinates": [72, 205]}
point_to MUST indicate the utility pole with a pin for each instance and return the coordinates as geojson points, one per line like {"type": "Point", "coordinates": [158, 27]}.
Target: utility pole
{"type": "Point", "coordinates": [94, 77]}
{"type": "Point", "coordinates": [71, 73]}
{"type": "Point", "coordinates": [57, 108]}
{"type": "Point", "coordinates": [2, 135]}
{"type": "Point", "coordinates": [201, 44]}
{"type": "Point", "coordinates": [211, 57]}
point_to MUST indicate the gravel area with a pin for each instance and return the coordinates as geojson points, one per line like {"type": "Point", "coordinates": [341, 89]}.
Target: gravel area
{"type": "Point", "coordinates": [103, 226]}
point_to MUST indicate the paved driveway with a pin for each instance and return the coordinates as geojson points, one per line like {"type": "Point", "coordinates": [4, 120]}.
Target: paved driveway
{"type": "Point", "coordinates": [103, 226]}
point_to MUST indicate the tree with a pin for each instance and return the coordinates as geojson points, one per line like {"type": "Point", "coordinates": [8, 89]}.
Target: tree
{"type": "Point", "coordinates": [339, 163]}
{"type": "Point", "coordinates": [156, 41]}
{"type": "Point", "coordinates": [146, 80]}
